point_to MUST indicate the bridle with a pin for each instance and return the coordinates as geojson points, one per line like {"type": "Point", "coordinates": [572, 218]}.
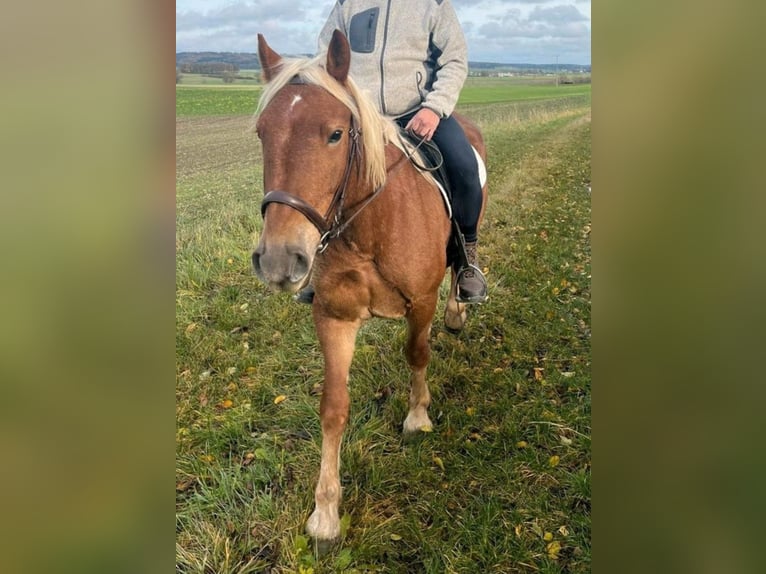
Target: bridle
{"type": "Point", "coordinates": [331, 224]}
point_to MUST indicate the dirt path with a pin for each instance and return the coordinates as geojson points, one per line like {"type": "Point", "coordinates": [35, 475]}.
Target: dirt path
{"type": "Point", "coordinates": [214, 144]}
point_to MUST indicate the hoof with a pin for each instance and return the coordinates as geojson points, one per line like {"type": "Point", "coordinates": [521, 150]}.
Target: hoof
{"type": "Point", "coordinates": [455, 318]}
{"type": "Point", "coordinates": [323, 547]}
{"type": "Point", "coordinates": [455, 324]}
{"type": "Point", "coordinates": [324, 530]}
{"type": "Point", "coordinates": [417, 424]}
{"type": "Point", "coordinates": [452, 331]}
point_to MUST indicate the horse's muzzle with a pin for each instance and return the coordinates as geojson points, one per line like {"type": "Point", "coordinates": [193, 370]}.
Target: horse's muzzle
{"type": "Point", "coordinates": [283, 268]}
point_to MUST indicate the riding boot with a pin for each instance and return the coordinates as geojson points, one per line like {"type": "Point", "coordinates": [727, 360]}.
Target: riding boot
{"type": "Point", "coordinates": [305, 295]}
{"type": "Point", "coordinates": [471, 284]}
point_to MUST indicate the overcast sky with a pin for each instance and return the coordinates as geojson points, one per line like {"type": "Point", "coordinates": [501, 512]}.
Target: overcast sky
{"type": "Point", "coordinates": [508, 31]}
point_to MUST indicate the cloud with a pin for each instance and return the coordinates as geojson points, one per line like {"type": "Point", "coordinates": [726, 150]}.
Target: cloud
{"type": "Point", "coordinates": [496, 30]}
{"type": "Point", "coordinates": [462, 3]}
{"type": "Point", "coordinates": [537, 36]}
{"type": "Point", "coordinates": [557, 15]}
{"type": "Point", "coordinates": [241, 13]}
{"type": "Point", "coordinates": [555, 22]}
{"type": "Point", "coordinates": [233, 27]}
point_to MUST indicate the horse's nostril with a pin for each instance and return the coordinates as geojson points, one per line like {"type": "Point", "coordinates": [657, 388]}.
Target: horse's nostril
{"type": "Point", "coordinates": [300, 267]}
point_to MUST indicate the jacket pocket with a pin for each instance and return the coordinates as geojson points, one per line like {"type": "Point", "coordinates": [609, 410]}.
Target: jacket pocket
{"type": "Point", "coordinates": [361, 31]}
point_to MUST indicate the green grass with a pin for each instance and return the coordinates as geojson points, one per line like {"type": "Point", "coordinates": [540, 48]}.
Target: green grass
{"type": "Point", "coordinates": [510, 393]}
{"type": "Point", "coordinates": [508, 91]}
{"type": "Point", "coordinates": [236, 99]}
{"type": "Point", "coordinates": [221, 100]}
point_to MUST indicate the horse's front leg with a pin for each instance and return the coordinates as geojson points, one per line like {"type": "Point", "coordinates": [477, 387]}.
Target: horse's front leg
{"type": "Point", "coordinates": [418, 353]}
{"type": "Point", "coordinates": [337, 342]}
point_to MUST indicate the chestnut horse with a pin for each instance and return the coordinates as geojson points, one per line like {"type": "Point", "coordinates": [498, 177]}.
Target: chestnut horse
{"type": "Point", "coordinates": [379, 250]}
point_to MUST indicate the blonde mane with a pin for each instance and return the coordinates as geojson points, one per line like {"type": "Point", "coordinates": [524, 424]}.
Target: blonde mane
{"type": "Point", "coordinates": [376, 129]}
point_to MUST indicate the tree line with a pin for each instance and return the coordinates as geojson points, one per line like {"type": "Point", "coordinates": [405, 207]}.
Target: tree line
{"type": "Point", "coordinates": [212, 68]}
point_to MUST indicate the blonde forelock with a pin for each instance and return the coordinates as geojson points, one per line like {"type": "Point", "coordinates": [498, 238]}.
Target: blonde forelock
{"type": "Point", "coordinates": [376, 130]}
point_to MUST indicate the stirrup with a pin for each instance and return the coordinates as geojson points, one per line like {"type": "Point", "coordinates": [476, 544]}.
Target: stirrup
{"type": "Point", "coordinates": [471, 299]}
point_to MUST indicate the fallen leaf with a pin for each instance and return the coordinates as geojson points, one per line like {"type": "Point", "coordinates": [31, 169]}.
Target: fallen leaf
{"type": "Point", "coordinates": [439, 462]}
{"type": "Point", "coordinates": [395, 537]}
{"type": "Point", "coordinates": [279, 399]}
{"type": "Point", "coordinates": [470, 411]}
{"type": "Point", "coordinates": [548, 536]}
{"type": "Point", "coordinates": [554, 460]}
{"type": "Point", "coordinates": [564, 531]}
{"type": "Point", "coordinates": [207, 458]}
{"type": "Point", "coordinates": [517, 530]}
{"type": "Point", "coordinates": [227, 404]}
{"type": "Point", "coordinates": [183, 485]}
{"type": "Point", "coordinates": [521, 444]}
{"type": "Point", "coordinates": [553, 549]}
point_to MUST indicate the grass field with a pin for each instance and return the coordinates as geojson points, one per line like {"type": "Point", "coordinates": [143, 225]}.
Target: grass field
{"type": "Point", "coordinates": [502, 484]}
{"type": "Point", "coordinates": [233, 99]}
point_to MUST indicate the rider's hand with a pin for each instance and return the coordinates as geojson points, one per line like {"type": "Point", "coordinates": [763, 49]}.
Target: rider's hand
{"type": "Point", "coordinates": [424, 123]}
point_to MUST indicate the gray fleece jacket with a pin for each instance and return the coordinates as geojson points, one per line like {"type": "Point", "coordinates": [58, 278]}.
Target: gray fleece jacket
{"type": "Point", "coordinates": [406, 53]}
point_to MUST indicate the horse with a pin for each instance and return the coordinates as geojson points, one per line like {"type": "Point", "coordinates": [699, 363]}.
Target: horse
{"type": "Point", "coordinates": [346, 209]}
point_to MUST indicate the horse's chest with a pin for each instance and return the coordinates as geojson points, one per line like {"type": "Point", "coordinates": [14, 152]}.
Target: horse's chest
{"type": "Point", "coordinates": [360, 291]}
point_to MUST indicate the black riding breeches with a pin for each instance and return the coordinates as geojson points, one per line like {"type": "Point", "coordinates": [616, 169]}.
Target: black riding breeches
{"type": "Point", "coordinates": [462, 171]}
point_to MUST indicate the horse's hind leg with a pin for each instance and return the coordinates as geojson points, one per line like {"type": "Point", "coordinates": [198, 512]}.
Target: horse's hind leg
{"type": "Point", "coordinates": [418, 353]}
{"type": "Point", "coordinates": [455, 314]}
{"type": "Point", "coordinates": [337, 341]}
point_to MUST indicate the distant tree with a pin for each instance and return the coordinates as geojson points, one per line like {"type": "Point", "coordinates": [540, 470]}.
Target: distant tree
{"type": "Point", "coordinates": [179, 75]}
{"type": "Point", "coordinates": [228, 76]}
{"type": "Point", "coordinates": [211, 68]}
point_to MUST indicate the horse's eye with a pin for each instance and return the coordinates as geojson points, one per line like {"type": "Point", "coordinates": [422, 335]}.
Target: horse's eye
{"type": "Point", "coordinates": [335, 136]}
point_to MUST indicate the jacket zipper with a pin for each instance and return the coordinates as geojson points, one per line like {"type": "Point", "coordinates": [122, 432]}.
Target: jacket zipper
{"type": "Point", "coordinates": [382, 54]}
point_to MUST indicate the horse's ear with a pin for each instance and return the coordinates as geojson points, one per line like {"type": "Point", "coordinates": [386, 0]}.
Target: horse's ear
{"type": "Point", "coordinates": [338, 57]}
{"type": "Point", "coordinates": [270, 60]}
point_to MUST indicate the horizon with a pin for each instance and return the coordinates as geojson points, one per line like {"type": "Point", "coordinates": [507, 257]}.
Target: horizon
{"type": "Point", "coordinates": [485, 62]}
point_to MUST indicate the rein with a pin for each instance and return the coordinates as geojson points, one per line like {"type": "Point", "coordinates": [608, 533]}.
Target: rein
{"type": "Point", "coordinates": [331, 224]}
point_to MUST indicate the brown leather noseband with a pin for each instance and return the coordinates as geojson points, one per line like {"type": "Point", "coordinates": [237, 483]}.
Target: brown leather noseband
{"type": "Point", "coordinates": [329, 225]}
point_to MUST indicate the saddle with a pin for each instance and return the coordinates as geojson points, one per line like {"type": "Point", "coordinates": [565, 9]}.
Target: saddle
{"type": "Point", "coordinates": [431, 160]}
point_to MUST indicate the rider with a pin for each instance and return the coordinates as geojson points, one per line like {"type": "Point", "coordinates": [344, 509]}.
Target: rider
{"type": "Point", "coordinates": [412, 58]}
